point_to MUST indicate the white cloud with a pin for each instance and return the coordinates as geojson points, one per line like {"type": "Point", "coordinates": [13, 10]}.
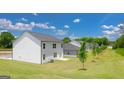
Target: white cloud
{"type": "Point", "coordinates": [72, 36]}
{"type": "Point", "coordinates": [107, 27]}
{"type": "Point", "coordinates": [113, 32]}
{"type": "Point", "coordinates": [66, 26]}
{"type": "Point", "coordinates": [76, 20]}
{"type": "Point", "coordinates": [116, 29]}
{"type": "Point", "coordinates": [32, 24]}
{"type": "Point", "coordinates": [7, 24]}
{"type": "Point", "coordinates": [23, 19]}
{"type": "Point", "coordinates": [52, 27]}
{"type": "Point", "coordinates": [35, 14]}
{"type": "Point", "coordinates": [120, 25]}
{"type": "Point", "coordinates": [61, 32]}
{"type": "Point", "coordinates": [21, 26]}
{"type": "Point", "coordinates": [107, 32]}
{"type": "Point", "coordinates": [42, 25]}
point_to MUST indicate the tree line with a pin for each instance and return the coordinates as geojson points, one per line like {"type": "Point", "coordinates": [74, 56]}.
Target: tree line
{"type": "Point", "coordinates": [119, 43]}
{"type": "Point", "coordinates": [99, 41]}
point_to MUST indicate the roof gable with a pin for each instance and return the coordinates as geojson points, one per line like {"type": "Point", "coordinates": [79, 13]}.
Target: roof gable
{"type": "Point", "coordinates": [44, 37]}
{"type": "Point", "coordinates": [70, 47]}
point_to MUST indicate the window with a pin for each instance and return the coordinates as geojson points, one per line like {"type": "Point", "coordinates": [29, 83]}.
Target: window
{"type": "Point", "coordinates": [55, 55]}
{"type": "Point", "coordinates": [43, 45]}
{"type": "Point", "coordinates": [54, 45]}
{"type": "Point", "coordinates": [61, 45]}
{"type": "Point", "coordinates": [43, 56]}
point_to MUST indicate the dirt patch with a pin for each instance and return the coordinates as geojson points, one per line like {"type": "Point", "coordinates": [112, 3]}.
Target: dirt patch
{"type": "Point", "coordinates": [5, 54]}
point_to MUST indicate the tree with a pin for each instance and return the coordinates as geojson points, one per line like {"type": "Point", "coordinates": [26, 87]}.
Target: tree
{"type": "Point", "coordinates": [101, 41]}
{"type": "Point", "coordinates": [6, 39]}
{"type": "Point", "coordinates": [105, 41]}
{"type": "Point", "coordinates": [83, 54]}
{"type": "Point", "coordinates": [94, 50]}
{"type": "Point", "coordinates": [66, 40]}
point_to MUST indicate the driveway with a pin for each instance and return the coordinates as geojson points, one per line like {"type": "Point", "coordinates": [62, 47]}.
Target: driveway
{"type": "Point", "coordinates": [6, 54]}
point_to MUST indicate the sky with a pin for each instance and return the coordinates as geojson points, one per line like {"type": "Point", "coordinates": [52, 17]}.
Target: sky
{"type": "Point", "coordinates": [60, 25]}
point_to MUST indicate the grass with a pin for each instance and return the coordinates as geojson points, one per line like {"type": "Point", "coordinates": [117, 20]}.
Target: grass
{"type": "Point", "coordinates": [109, 64]}
{"type": "Point", "coordinates": [5, 49]}
{"type": "Point", "coordinates": [120, 51]}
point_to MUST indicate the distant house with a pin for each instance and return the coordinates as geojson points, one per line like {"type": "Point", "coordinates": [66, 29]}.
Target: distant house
{"type": "Point", "coordinates": [72, 48]}
{"type": "Point", "coordinates": [37, 48]}
{"type": "Point", "coordinates": [110, 47]}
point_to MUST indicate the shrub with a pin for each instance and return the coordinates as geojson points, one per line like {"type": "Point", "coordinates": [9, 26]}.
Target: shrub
{"type": "Point", "coordinates": [114, 46]}
{"type": "Point", "coordinates": [103, 47]}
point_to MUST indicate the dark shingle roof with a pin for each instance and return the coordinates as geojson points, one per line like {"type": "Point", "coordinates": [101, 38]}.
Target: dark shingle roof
{"type": "Point", "coordinates": [70, 47]}
{"type": "Point", "coordinates": [44, 37]}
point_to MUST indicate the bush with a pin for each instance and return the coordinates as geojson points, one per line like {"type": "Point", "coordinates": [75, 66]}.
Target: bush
{"type": "Point", "coordinates": [114, 46]}
{"type": "Point", "coordinates": [100, 49]}
{"type": "Point", "coordinates": [103, 47]}
{"type": "Point", "coordinates": [51, 61]}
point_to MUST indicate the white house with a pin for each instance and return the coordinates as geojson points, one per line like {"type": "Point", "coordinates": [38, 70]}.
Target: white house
{"type": "Point", "coordinates": [37, 48]}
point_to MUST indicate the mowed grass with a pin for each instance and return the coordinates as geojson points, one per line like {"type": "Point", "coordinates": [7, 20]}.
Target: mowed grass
{"type": "Point", "coordinates": [120, 51]}
{"type": "Point", "coordinates": [109, 64]}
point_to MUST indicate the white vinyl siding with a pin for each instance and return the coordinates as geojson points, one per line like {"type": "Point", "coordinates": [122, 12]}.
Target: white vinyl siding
{"type": "Point", "coordinates": [27, 48]}
{"type": "Point", "coordinates": [49, 51]}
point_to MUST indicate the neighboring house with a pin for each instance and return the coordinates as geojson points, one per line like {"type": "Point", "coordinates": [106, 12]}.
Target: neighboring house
{"type": "Point", "coordinates": [37, 48]}
{"type": "Point", "coordinates": [110, 47]}
{"type": "Point", "coordinates": [72, 48]}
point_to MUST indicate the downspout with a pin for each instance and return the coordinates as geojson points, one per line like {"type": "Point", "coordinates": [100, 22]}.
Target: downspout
{"type": "Point", "coordinates": [12, 49]}
{"type": "Point", "coordinates": [41, 52]}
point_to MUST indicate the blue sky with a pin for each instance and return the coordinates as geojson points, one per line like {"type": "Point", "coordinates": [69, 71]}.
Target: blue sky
{"type": "Point", "coordinates": [62, 25]}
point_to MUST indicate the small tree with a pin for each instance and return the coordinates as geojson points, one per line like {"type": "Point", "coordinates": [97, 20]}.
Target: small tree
{"type": "Point", "coordinates": [83, 54]}
{"type": "Point", "coordinates": [94, 49]}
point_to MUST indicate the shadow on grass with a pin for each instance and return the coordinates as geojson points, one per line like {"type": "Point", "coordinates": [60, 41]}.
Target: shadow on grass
{"type": "Point", "coordinates": [4, 77]}
{"type": "Point", "coordinates": [84, 69]}
{"type": "Point", "coordinates": [93, 61]}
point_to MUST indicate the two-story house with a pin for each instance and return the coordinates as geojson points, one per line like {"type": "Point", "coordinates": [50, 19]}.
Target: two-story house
{"type": "Point", "coordinates": [37, 48]}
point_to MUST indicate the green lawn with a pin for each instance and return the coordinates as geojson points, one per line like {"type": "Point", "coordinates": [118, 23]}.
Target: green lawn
{"type": "Point", "coordinates": [109, 64]}
{"type": "Point", "coordinates": [120, 51]}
